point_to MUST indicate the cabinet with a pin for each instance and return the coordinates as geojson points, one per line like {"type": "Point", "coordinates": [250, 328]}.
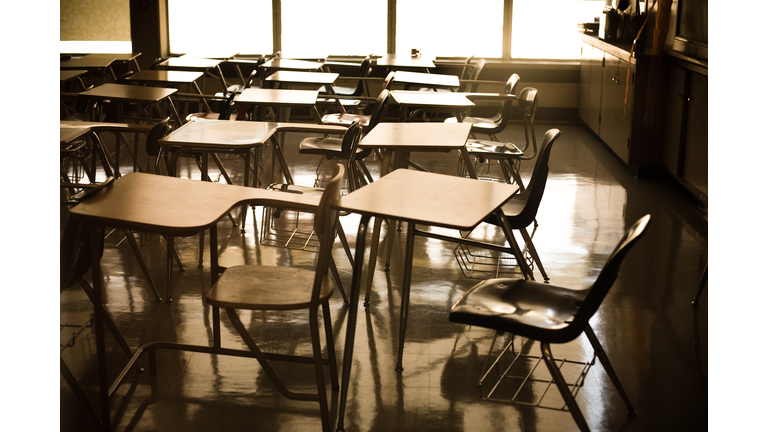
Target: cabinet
{"type": "Point", "coordinates": [603, 84]}
{"type": "Point", "coordinates": [685, 150]}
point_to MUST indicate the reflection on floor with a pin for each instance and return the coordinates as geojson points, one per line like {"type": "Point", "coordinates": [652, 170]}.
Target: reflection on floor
{"type": "Point", "coordinates": [655, 339]}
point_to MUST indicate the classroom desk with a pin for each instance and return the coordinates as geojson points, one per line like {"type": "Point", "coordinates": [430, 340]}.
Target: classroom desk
{"type": "Point", "coordinates": [123, 58]}
{"type": "Point", "coordinates": [400, 61]}
{"type": "Point", "coordinates": [417, 198]}
{"type": "Point", "coordinates": [280, 98]}
{"type": "Point", "coordinates": [117, 128]}
{"type": "Point", "coordinates": [170, 207]}
{"type": "Point", "coordinates": [291, 64]}
{"type": "Point", "coordinates": [224, 136]}
{"type": "Point", "coordinates": [91, 64]}
{"type": "Point", "coordinates": [122, 93]}
{"type": "Point", "coordinates": [420, 79]}
{"type": "Point", "coordinates": [312, 79]}
{"type": "Point", "coordinates": [68, 75]}
{"type": "Point", "coordinates": [171, 77]}
{"type": "Point", "coordinates": [430, 101]}
{"type": "Point", "coordinates": [185, 63]}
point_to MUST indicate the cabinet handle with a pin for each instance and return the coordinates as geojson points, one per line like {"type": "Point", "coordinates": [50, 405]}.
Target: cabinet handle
{"type": "Point", "coordinates": [690, 98]}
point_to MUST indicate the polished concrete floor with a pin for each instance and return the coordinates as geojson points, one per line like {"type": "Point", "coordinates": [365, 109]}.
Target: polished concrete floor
{"type": "Point", "coordinates": [656, 340]}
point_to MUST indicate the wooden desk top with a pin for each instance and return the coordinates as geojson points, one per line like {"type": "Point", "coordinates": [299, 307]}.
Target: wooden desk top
{"type": "Point", "coordinates": [117, 57]}
{"type": "Point", "coordinates": [190, 63]}
{"type": "Point", "coordinates": [67, 135]}
{"type": "Point", "coordinates": [104, 126]}
{"type": "Point", "coordinates": [417, 136]}
{"type": "Point", "coordinates": [67, 75]}
{"type": "Point", "coordinates": [216, 55]}
{"type": "Point", "coordinates": [178, 77]}
{"type": "Point", "coordinates": [296, 77]}
{"type": "Point", "coordinates": [429, 198]}
{"type": "Point", "coordinates": [129, 92]}
{"type": "Point", "coordinates": [278, 97]}
{"type": "Point", "coordinates": [426, 80]}
{"type": "Point", "coordinates": [215, 134]}
{"type": "Point", "coordinates": [397, 60]}
{"type": "Point", "coordinates": [281, 63]}
{"type": "Point", "coordinates": [433, 99]}
{"type": "Point", "coordinates": [87, 63]}
{"type": "Point", "coordinates": [173, 206]}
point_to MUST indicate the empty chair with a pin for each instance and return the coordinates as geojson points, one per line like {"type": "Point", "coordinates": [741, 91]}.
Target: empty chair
{"type": "Point", "coordinates": [492, 125]}
{"type": "Point", "coordinates": [361, 89]}
{"type": "Point", "coordinates": [268, 288]}
{"type": "Point", "coordinates": [549, 314]}
{"type": "Point", "coordinates": [509, 154]}
{"type": "Point", "coordinates": [520, 211]}
{"type": "Point", "coordinates": [367, 122]}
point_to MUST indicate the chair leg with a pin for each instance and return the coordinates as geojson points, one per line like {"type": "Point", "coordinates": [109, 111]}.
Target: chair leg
{"type": "Point", "coordinates": [331, 346]}
{"type": "Point", "coordinates": [534, 254]}
{"type": "Point", "coordinates": [608, 368]}
{"type": "Point", "coordinates": [79, 393]}
{"type": "Point", "coordinates": [570, 401]}
{"type": "Point", "coordinates": [337, 278]}
{"type": "Point", "coordinates": [317, 350]}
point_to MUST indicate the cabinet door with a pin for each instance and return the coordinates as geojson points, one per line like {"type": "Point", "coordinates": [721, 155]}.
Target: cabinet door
{"type": "Point", "coordinates": [595, 90]}
{"type": "Point", "coordinates": [695, 155]}
{"type": "Point", "coordinates": [675, 98]}
{"type": "Point", "coordinates": [622, 115]}
{"type": "Point", "coordinates": [585, 68]}
{"type": "Point", "coordinates": [608, 100]}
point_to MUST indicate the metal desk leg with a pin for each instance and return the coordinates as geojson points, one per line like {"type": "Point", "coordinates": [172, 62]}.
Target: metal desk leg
{"type": "Point", "coordinates": [349, 342]}
{"type": "Point", "coordinates": [98, 324]}
{"type": "Point", "coordinates": [406, 293]}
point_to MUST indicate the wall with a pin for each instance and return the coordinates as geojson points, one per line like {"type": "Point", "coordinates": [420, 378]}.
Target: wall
{"type": "Point", "coordinates": [94, 20]}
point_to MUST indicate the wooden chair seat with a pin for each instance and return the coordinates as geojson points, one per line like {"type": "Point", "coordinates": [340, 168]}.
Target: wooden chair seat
{"type": "Point", "coordinates": [267, 288]}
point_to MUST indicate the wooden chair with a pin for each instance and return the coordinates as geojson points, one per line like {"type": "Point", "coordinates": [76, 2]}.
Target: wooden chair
{"type": "Point", "coordinates": [267, 288]}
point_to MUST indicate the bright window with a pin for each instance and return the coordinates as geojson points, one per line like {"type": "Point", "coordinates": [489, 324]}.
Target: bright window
{"type": "Point", "coordinates": [343, 27]}
{"type": "Point", "coordinates": [547, 29]}
{"type": "Point", "coordinates": [205, 26]}
{"type": "Point", "coordinates": [441, 28]}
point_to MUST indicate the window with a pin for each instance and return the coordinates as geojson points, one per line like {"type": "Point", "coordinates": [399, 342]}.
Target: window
{"type": "Point", "coordinates": [547, 29]}
{"type": "Point", "coordinates": [450, 29]}
{"type": "Point", "coordinates": [205, 26]}
{"type": "Point", "coordinates": [345, 27]}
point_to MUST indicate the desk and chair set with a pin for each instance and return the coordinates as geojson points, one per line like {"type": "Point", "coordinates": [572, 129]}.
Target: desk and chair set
{"type": "Point", "coordinates": [174, 207]}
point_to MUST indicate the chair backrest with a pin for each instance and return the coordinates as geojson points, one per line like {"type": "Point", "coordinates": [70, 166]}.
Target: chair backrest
{"type": "Point", "coordinates": [363, 72]}
{"type": "Point", "coordinates": [504, 114]}
{"type": "Point", "coordinates": [535, 190]}
{"type": "Point", "coordinates": [325, 227]}
{"type": "Point", "coordinates": [475, 75]}
{"type": "Point", "coordinates": [228, 107]}
{"type": "Point", "coordinates": [158, 131]}
{"type": "Point", "coordinates": [388, 80]}
{"type": "Point", "coordinates": [527, 102]}
{"type": "Point", "coordinates": [379, 109]}
{"type": "Point", "coordinates": [349, 145]}
{"type": "Point", "coordinates": [252, 76]}
{"type": "Point", "coordinates": [609, 273]}
{"type": "Point", "coordinates": [122, 79]}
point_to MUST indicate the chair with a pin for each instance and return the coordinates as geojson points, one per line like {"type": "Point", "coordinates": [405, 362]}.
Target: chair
{"type": "Point", "coordinates": [332, 147]}
{"type": "Point", "coordinates": [367, 122]}
{"type": "Point", "coordinates": [520, 211]}
{"type": "Point", "coordinates": [493, 125]}
{"type": "Point", "coordinates": [287, 233]}
{"type": "Point", "coordinates": [266, 288]}
{"type": "Point", "coordinates": [509, 154]}
{"type": "Point", "coordinates": [468, 86]}
{"type": "Point", "coordinates": [549, 314]}
{"type": "Point", "coordinates": [361, 89]}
